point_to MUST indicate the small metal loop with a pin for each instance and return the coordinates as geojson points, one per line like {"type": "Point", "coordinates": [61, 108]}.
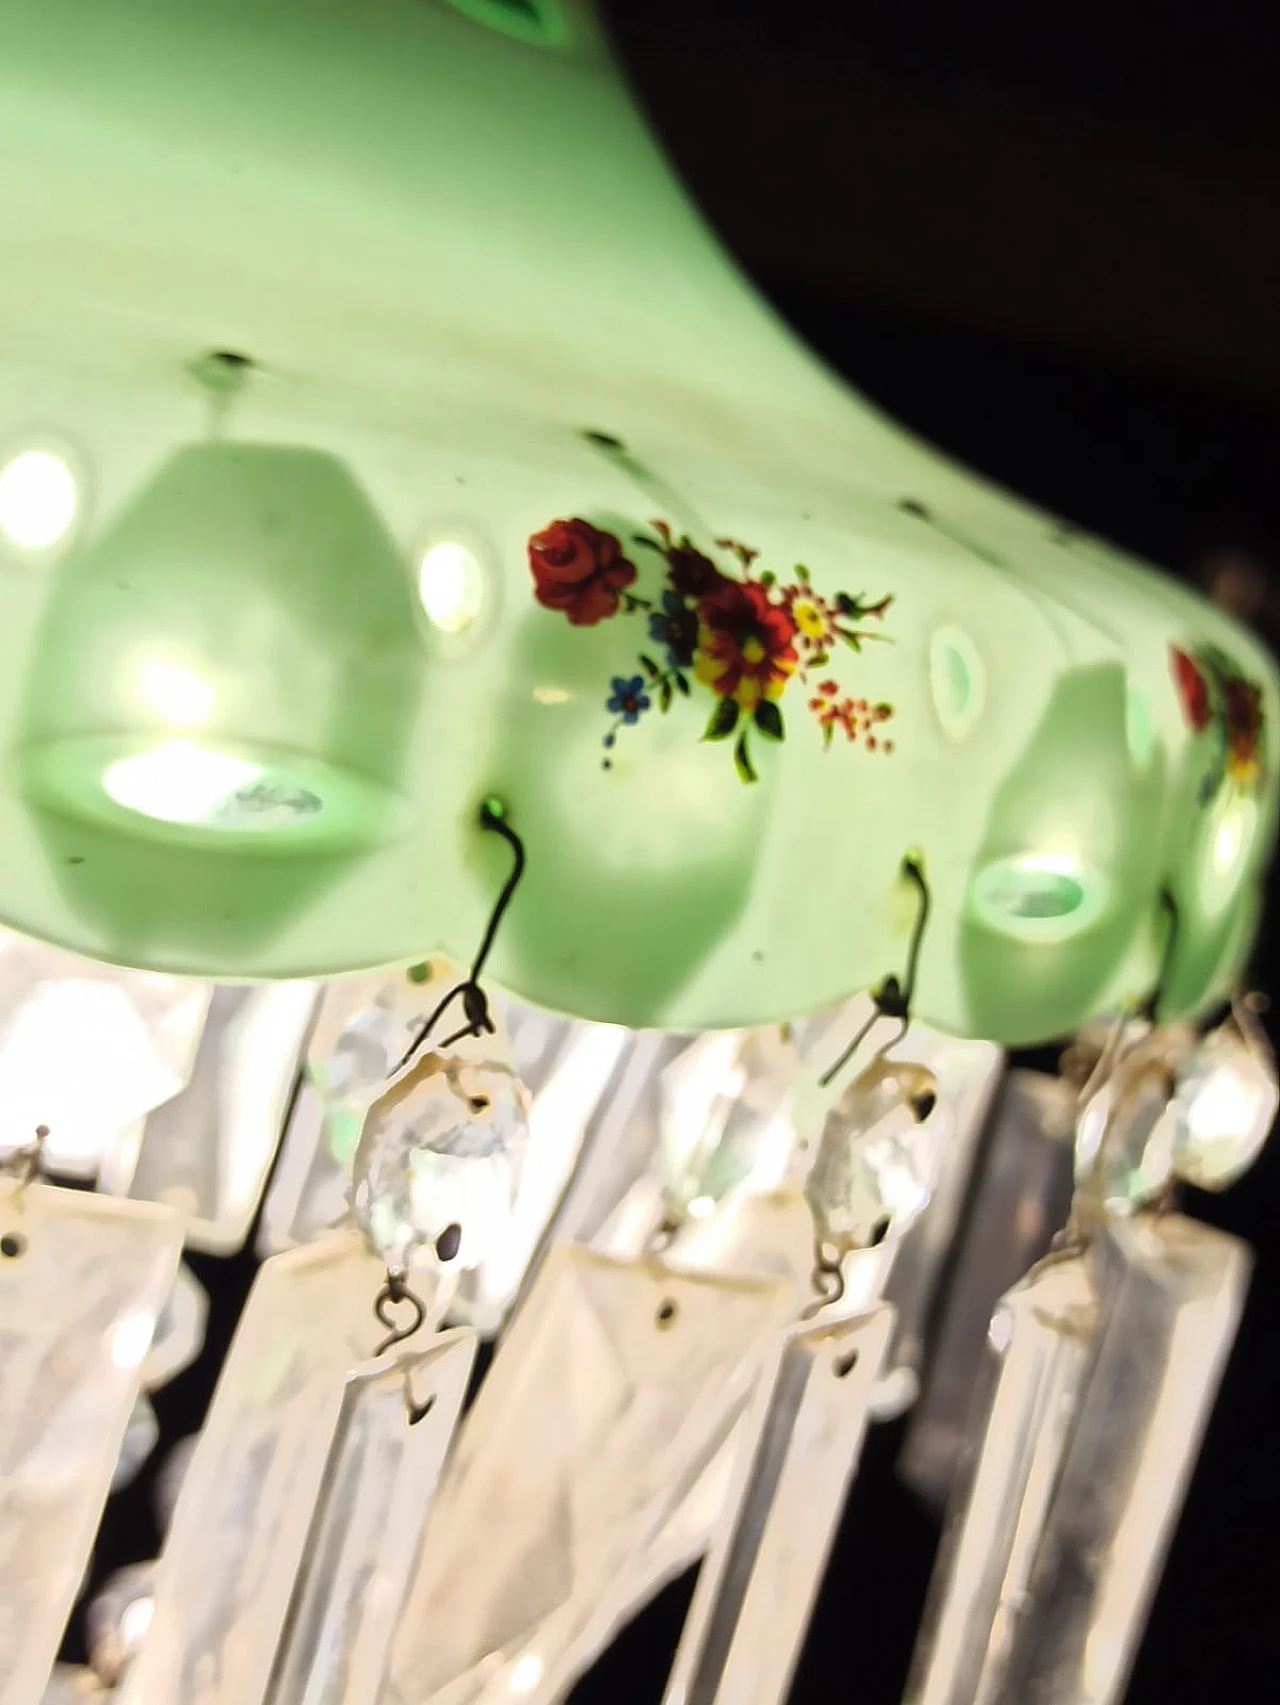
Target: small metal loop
{"type": "Point", "coordinates": [827, 1279]}
{"type": "Point", "coordinates": [393, 1293]}
{"type": "Point", "coordinates": [25, 1164]}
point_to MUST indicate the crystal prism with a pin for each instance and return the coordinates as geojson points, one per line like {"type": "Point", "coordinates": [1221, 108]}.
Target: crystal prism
{"type": "Point", "coordinates": [207, 1150]}
{"type": "Point", "coordinates": [1043, 1586]}
{"type": "Point", "coordinates": [243, 1513]}
{"type": "Point", "coordinates": [88, 1049]}
{"type": "Point", "coordinates": [438, 1160]}
{"type": "Point", "coordinates": [757, 1587]}
{"type": "Point", "coordinates": [396, 1422]}
{"type": "Point", "coordinates": [1021, 1198]}
{"type": "Point", "coordinates": [82, 1280]}
{"type": "Point", "coordinates": [615, 1387]}
{"type": "Point", "coordinates": [1225, 1104]}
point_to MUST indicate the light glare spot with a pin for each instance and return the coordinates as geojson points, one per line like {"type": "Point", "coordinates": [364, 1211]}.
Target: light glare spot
{"type": "Point", "coordinates": [451, 586]}
{"type": "Point", "coordinates": [526, 1673]}
{"type": "Point", "coordinates": [181, 696]}
{"type": "Point", "coordinates": [38, 499]}
{"type": "Point", "coordinates": [178, 782]}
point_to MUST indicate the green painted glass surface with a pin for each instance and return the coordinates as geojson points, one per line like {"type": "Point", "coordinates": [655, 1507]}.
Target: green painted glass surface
{"type": "Point", "coordinates": [236, 743]}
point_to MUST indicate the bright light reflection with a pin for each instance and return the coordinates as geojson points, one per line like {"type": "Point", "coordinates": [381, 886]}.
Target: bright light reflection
{"type": "Point", "coordinates": [136, 1622]}
{"type": "Point", "coordinates": [451, 586]}
{"type": "Point", "coordinates": [526, 1673]}
{"type": "Point", "coordinates": [1233, 834]}
{"type": "Point", "coordinates": [132, 1339]}
{"type": "Point", "coordinates": [181, 696]}
{"type": "Point", "coordinates": [702, 1207]}
{"type": "Point", "coordinates": [38, 499]}
{"type": "Point", "coordinates": [178, 782]}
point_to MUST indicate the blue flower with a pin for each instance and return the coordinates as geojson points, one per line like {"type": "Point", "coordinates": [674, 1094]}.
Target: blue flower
{"type": "Point", "coordinates": [676, 627]}
{"type": "Point", "coordinates": [629, 698]}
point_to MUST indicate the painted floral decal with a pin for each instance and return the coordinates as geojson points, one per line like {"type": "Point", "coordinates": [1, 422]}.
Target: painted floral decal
{"type": "Point", "coordinates": [1218, 699]}
{"type": "Point", "coordinates": [744, 636]}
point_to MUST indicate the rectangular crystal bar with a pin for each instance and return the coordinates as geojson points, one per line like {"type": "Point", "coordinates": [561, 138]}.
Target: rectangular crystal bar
{"type": "Point", "coordinates": [82, 1280]}
{"type": "Point", "coordinates": [758, 1583]}
{"type": "Point", "coordinates": [208, 1150]}
{"type": "Point", "coordinates": [614, 1389]}
{"type": "Point", "coordinates": [1174, 1292]}
{"type": "Point", "coordinates": [241, 1524]}
{"type": "Point", "coordinates": [393, 1430]}
{"type": "Point", "coordinates": [1023, 1195]}
{"type": "Point", "coordinates": [1110, 1364]}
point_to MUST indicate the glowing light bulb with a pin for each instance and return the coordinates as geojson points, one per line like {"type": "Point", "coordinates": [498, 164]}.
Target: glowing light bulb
{"type": "Point", "coordinates": [39, 498]}
{"type": "Point", "coordinates": [451, 586]}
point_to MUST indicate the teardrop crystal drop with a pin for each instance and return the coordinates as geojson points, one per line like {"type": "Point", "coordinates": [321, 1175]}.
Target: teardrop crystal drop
{"type": "Point", "coordinates": [878, 1154]}
{"type": "Point", "coordinates": [1225, 1103]}
{"type": "Point", "coordinates": [441, 1148]}
{"type": "Point", "coordinates": [1126, 1132]}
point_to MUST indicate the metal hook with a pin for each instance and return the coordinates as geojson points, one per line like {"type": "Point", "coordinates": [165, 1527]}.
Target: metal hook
{"type": "Point", "coordinates": [475, 1003]}
{"type": "Point", "coordinates": [893, 998]}
{"type": "Point", "coordinates": [393, 1293]}
{"type": "Point", "coordinates": [26, 1163]}
{"type": "Point", "coordinates": [827, 1279]}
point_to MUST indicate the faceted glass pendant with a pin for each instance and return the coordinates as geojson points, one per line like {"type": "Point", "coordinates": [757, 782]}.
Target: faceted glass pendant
{"type": "Point", "coordinates": [615, 1387]}
{"type": "Point", "coordinates": [1128, 1129]}
{"type": "Point", "coordinates": [1108, 1377]}
{"type": "Point", "coordinates": [88, 1049]}
{"type": "Point", "coordinates": [1021, 1200]}
{"type": "Point", "coordinates": [438, 1161]}
{"type": "Point", "coordinates": [389, 1444]}
{"type": "Point", "coordinates": [248, 1499]}
{"type": "Point", "coordinates": [758, 1584]}
{"type": "Point", "coordinates": [82, 1280]}
{"type": "Point", "coordinates": [878, 1154]}
{"type": "Point", "coordinates": [1225, 1105]}
{"type": "Point", "coordinates": [207, 1150]}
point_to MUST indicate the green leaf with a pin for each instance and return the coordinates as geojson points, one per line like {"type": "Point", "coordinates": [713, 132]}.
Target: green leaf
{"type": "Point", "coordinates": [802, 573]}
{"type": "Point", "coordinates": [742, 762]}
{"type": "Point", "coordinates": [650, 668]}
{"type": "Point", "coordinates": [724, 719]}
{"type": "Point", "coordinates": [682, 686]}
{"type": "Point", "coordinates": [768, 720]}
{"type": "Point", "coordinates": [768, 578]}
{"type": "Point", "coordinates": [828, 732]}
{"type": "Point", "coordinates": [817, 660]}
{"type": "Point", "coordinates": [852, 640]}
{"type": "Point", "coordinates": [664, 696]}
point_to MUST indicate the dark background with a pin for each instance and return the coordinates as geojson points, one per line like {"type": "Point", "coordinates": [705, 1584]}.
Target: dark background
{"type": "Point", "coordinates": [1042, 233]}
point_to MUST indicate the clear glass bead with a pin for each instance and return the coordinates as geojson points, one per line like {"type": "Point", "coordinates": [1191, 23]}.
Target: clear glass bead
{"type": "Point", "coordinates": [438, 1161]}
{"type": "Point", "coordinates": [878, 1154]}
{"type": "Point", "coordinates": [1127, 1130]}
{"type": "Point", "coordinates": [1225, 1105]}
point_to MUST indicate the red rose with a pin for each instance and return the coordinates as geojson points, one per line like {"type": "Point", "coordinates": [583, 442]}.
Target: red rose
{"type": "Point", "coordinates": [746, 647]}
{"type": "Point", "coordinates": [691, 574]}
{"type": "Point", "coordinates": [579, 570]}
{"type": "Point", "coordinates": [1192, 687]}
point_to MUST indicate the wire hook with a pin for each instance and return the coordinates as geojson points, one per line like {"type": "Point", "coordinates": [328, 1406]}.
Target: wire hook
{"type": "Point", "coordinates": [475, 1003]}
{"type": "Point", "coordinates": [893, 998]}
{"type": "Point", "coordinates": [393, 1293]}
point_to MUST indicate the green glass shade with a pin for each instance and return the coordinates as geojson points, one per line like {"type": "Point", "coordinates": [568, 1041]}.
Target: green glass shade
{"type": "Point", "coordinates": [532, 497]}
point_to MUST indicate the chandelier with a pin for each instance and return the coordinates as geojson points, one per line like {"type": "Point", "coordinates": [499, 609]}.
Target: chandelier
{"type": "Point", "coordinates": [541, 814]}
